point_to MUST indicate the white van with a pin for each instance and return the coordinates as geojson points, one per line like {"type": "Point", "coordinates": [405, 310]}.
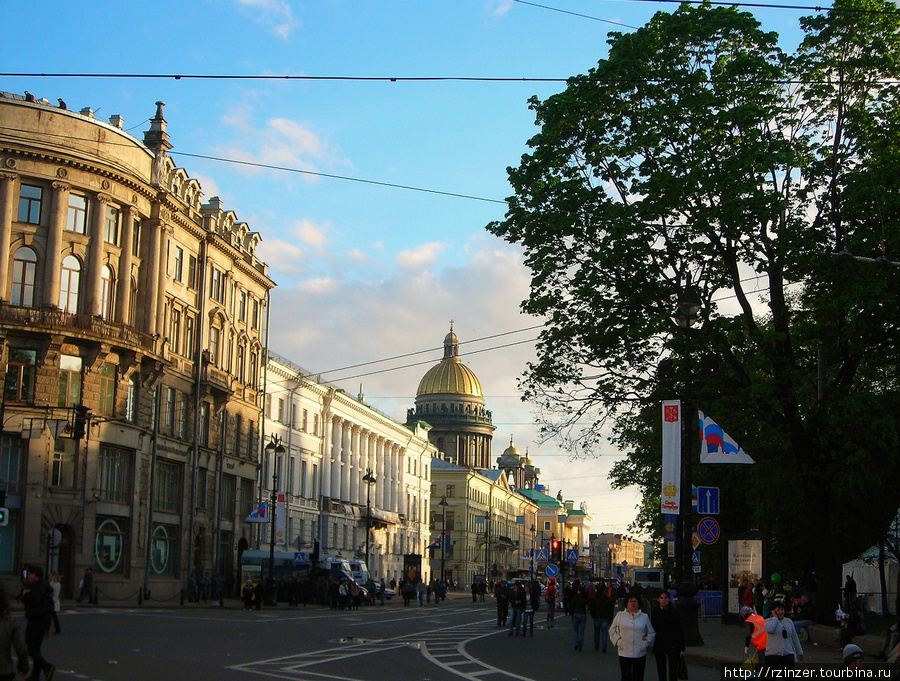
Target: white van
{"type": "Point", "coordinates": [648, 578]}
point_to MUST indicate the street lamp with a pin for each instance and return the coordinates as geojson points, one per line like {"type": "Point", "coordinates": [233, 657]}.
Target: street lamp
{"type": "Point", "coordinates": [532, 552]}
{"type": "Point", "coordinates": [274, 447]}
{"type": "Point", "coordinates": [443, 503]}
{"type": "Point", "coordinates": [689, 305]}
{"type": "Point", "coordinates": [369, 479]}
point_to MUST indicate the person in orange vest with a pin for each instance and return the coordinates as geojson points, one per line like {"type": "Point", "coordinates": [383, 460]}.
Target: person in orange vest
{"type": "Point", "coordinates": [755, 643]}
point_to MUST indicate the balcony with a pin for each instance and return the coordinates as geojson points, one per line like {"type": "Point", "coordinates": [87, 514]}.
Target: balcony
{"type": "Point", "coordinates": [52, 320]}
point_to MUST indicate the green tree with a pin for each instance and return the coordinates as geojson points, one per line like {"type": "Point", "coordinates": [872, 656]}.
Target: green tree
{"type": "Point", "coordinates": [700, 152]}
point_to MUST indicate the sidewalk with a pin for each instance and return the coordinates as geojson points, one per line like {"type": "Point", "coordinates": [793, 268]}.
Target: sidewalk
{"type": "Point", "coordinates": [724, 643]}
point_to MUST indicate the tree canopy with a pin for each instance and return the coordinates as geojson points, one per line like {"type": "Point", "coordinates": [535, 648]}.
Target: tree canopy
{"type": "Point", "coordinates": [699, 153]}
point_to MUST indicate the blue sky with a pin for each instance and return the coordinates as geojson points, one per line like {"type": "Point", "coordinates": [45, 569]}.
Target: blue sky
{"type": "Point", "coordinates": [364, 272]}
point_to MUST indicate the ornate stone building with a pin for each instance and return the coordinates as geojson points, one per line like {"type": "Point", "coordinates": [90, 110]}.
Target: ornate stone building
{"type": "Point", "coordinates": [346, 468]}
{"type": "Point", "coordinates": [131, 319]}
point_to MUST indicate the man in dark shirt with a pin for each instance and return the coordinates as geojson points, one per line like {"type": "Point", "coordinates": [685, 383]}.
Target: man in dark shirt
{"type": "Point", "coordinates": [37, 597]}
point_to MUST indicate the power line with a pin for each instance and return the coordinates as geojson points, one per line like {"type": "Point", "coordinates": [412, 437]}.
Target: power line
{"type": "Point", "coordinates": [574, 14]}
{"type": "Point", "coordinates": [258, 76]}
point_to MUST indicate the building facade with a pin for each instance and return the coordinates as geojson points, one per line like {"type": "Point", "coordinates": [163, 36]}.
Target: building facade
{"type": "Point", "coordinates": [348, 473]}
{"type": "Point", "coordinates": [131, 320]}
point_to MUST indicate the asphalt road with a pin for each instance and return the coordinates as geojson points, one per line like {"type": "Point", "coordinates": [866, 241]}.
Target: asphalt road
{"type": "Point", "coordinates": [443, 643]}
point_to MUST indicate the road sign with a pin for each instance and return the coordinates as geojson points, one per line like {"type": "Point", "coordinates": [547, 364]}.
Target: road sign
{"type": "Point", "coordinates": [572, 555]}
{"type": "Point", "coordinates": [708, 530]}
{"type": "Point", "coordinates": [708, 500]}
{"type": "Point", "coordinates": [551, 570]}
{"type": "Point", "coordinates": [695, 557]}
{"type": "Point", "coordinates": [299, 559]}
{"type": "Point", "coordinates": [695, 540]}
{"type": "Point", "coordinates": [697, 569]}
{"type": "Point", "coordinates": [540, 555]}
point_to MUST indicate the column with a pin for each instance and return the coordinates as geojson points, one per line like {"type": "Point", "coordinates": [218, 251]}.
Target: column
{"type": "Point", "coordinates": [94, 284]}
{"type": "Point", "coordinates": [7, 204]}
{"type": "Point", "coordinates": [401, 482]}
{"type": "Point", "coordinates": [327, 439]}
{"type": "Point", "coordinates": [378, 467]}
{"type": "Point", "coordinates": [161, 321]}
{"type": "Point", "coordinates": [52, 268]}
{"type": "Point", "coordinates": [355, 461]}
{"type": "Point", "coordinates": [345, 461]}
{"type": "Point", "coordinates": [123, 283]}
{"type": "Point", "coordinates": [336, 458]}
{"type": "Point", "coordinates": [395, 477]}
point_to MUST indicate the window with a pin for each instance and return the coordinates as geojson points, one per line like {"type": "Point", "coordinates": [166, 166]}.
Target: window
{"type": "Point", "coordinates": [107, 390]}
{"type": "Point", "coordinates": [175, 332]}
{"type": "Point", "coordinates": [69, 381]}
{"type": "Point", "coordinates": [132, 302]}
{"type": "Point", "coordinates": [10, 464]}
{"type": "Point", "coordinates": [69, 284]}
{"type": "Point", "coordinates": [181, 413]}
{"type": "Point", "coordinates": [179, 263]}
{"type": "Point", "coordinates": [164, 546]}
{"type": "Point", "coordinates": [242, 307]}
{"type": "Point", "coordinates": [202, 487]}
{"type": "Point", "coordinates": [246, 499]}
{"type": "Point", "coordinates": [315, 430]}
{"type": "Point", "coordinates": [214, 335]}
{"type": "Point", "coordinates": [24, 264]}
{"type": "Point", "coordinates": [292, 464]}
{"type": "Point", "coordinates": [169, 423]}
{"type": "Point", "coordinates": [451, 491]}
{"type": "Point", "coordinates": [111, 225]}
{"type": "Point", "coordinates": [30, 204]}
{"type": "Point", "coordinates": [254, 369]}
{"type": "Point", "coordinates": [167, 487]}
{"type": "Point", "coordinates": [110, 540]}
{"type": "Point", "coordinates": [131, 398]}
{"type": "Point", "coordinates": [305, 420]}
{"type": "Point", "coordinates": [255, 321]}
{"type": "Point", "coordinates": [114, 474]}
{"type": "Point", "coordinates": [280, 417]}
{"type": "Point", "coordinates": [20, 374]}
{"type": "Point", "coordinates": [188, 336]}
{"type": "Point", "coordinates": [62, 473]}
{"type": "Point", "coordinates": [216, 286]}
{"type": "Point", "coordinates": [204, 424]}
{"type": "Point", "coordinates": [107, 292]}
{"type": "Point", "coordinates": [241, 362]}
{"type": "Point", "coordinates": [302, 478]}
{"type": "Point", "coordinates": [76, 218]}
{"type": "Point", "coordinates": [136, 238]}
{"type": "Point", "coordinates": [315, 482]}
{"type": "Point", "coordinates": [192, 272]}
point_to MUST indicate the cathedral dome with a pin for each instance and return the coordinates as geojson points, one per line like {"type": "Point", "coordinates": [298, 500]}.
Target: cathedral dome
{"type": "Point", "coordinates": [510, 457]}
{"type": "Point", "coordinates": [450, 376]}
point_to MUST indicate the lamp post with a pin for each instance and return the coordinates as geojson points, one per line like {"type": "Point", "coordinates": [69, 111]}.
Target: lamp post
{"type": "Point", "coordinates": [689, 305]}
{"type": "Point", "coordinates": [274, 447]}
{"type": "Point", "coordinates": [487, 547]}
{"type": "Point", "coordinates": [532, 552]}
{"type": "Point", "coordinates": [443, 547]}
{"type": "Point", "coordinates": [369, 479]}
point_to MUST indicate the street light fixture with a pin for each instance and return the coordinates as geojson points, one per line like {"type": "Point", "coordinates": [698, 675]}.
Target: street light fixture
{"type": "Point", "coordinates": [370, 480]}
{"type": "Point", "coordinates": [443, 547]}
{"type": "Point", "coordinates": [274, 447]}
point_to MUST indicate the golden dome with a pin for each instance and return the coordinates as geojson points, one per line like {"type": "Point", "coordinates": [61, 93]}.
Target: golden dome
{"type": "Point", "coordinates": [450, 376]}
{"type": "Point", "coordinates": [511, 450]}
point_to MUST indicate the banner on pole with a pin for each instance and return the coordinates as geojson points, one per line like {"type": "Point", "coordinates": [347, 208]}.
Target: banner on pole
{"type": "Point", "coordinates": [671, 456]}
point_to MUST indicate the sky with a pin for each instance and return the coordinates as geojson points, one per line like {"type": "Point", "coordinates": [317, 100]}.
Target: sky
{"type": "Point", "coordinates": [374, 224]}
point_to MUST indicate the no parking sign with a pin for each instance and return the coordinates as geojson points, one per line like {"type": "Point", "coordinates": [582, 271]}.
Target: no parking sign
{"type": "Point", "coordinates": [708, 530]}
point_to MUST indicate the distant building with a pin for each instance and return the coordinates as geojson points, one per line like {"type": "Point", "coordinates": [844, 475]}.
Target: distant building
{"type": "Point", "coordinates": [346, 466]}
{"type": "Point", "coordinates": [616, 553]}
{"type": "Point", "coordinates": [131, 320]}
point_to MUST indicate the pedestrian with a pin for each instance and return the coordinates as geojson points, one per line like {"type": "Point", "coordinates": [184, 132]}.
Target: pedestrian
{"type": "Point", "coordinates": [516, 609]}
{"type": "Point", "coordinates": [755, 643]}
{"type": "Point", "coordinates": [852, 656]}
{"type": "Point", "coordinates": [57, 588]}
{"type": "Point", "coordinates": [782, 643]}
{"type": "Point", "coordinates": [258, 594]}
{"type": "Point", "coordinates": [381, 591]}
{"type": "Point", "coordinates": [501, 596]}
{"type": "Point", "coordinates": [551, 604]}
{"type": "Point", "coordinates": [632, 633]}
{"type": "Point", "coordinates": [37, 597]}
{"type": "Point", "coordinates": [849, 592]}
{"type": "Point", "coordinates": [668, 647]}
{"type": "Point", "coordinates": [578, 610]}
{"type": "Point", "coordinates": [247, 594]}
{"type": "Point", "coordinates": [11, 639]}
{"type": "Point", "coordinates": [528, 614]}
{"type": "Point", "coordinates": [86, 586]}
{"type": "Point", "coordinates": [474, 592]}
{"type": "Point", "coordinates": [420, 593]}
{"type": "Point", "coordinates": [601, 610]}
{"type": "Point", "coordinates": [30, 97]}
{"type": "Point", "coordinates": [440, 592]}
{"type": "Point", "coordinates": [62, 104]}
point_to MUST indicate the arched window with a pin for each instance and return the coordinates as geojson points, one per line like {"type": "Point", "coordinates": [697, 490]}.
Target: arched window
{"type": "Point", "coordinates": [69, 284]}
{"type": "Point", "coordinates": [132, 304]}
{"type": "Point", "coordinates": [24, 264]}
{"type": "Point", "coordinates": [107, 292]}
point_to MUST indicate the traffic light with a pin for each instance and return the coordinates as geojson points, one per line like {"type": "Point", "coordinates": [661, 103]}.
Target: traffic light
{"type": "Point", "coordinates": [4, 516]}
{"type": "Point", "coordinates": [81, 418]}
{"type": "Point", "coordinates": [557, 550]}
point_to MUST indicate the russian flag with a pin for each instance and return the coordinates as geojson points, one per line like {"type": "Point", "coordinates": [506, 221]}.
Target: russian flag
{"type": "Point", "coordinates": [717, 446]}
{"type": "Point", "coordinates": [260, 515]}
{"type": "Point", "coordinates": [436, 544]}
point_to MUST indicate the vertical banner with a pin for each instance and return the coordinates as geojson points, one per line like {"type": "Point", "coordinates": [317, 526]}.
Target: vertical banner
{"type": "Point", "coordinates": [447, 545]}
{"type": "Point", "coordinates": [744, 562]}
{"type": "Point", "coordinates": [280, 518]}
{"type": "Point", "coordinates": [671, 456]}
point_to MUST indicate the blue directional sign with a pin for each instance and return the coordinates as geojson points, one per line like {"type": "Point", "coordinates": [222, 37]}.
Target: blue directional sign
{"type": "Point", "coordinates": [551, 570]}
{"type": "Point", "coordinates": [695, 557]}
{"type": "Point", "coordinates": [708, 500]}
{"type": "Point", "coordinates": [572, 555]}
{"type": "Point", "coordinates": [540, 555]}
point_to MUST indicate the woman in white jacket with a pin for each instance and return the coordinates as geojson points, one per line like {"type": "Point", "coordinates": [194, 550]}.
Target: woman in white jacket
{"type": "Point", "coordinates": [631, 633]}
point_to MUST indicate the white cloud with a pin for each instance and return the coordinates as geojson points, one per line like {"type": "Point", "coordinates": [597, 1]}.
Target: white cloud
{"type": "Point", "coordinates": [311, 234]}
{"type": "Point", "coordinates": [275, 16]}
{"type": "Point", "coordinates": [420, 256]}
{"type": "Point", "coordinates": [496, 8]}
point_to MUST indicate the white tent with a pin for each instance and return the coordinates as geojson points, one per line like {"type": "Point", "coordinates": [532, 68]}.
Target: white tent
{"type": "Point", "coordinates": [868, 582]}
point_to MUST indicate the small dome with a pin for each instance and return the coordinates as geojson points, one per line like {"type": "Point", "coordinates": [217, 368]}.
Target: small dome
{"type": "Point", "coordinates": [450, 377]}
{"type": "Point", "coordinates": [510, 457]}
